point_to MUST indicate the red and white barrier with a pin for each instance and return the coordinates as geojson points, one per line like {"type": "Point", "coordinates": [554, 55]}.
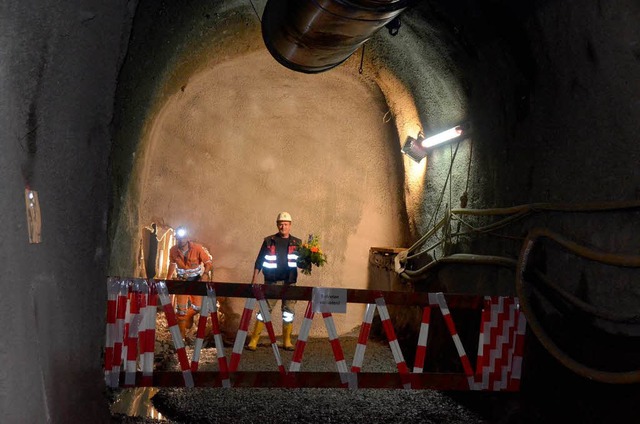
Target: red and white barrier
{"type": "Point", "coordinates": [500, 345]}
{"type": "Point", "coordinates": [365, 329]}
{"type": "Point", "coordinates": [338, 354]}
{"type": "Point", "coordinates": [393, 342]}
{"type": "Point", "coordinates": [266, 316]}
{"type": "Point", "coordinates": [121, 312]}
{"type": "Point", "coordinates": [172, 323]}
{"type": "Point", "coordinates": [200, 333]}
{"type": "Point", "coordinates": [421, 349]}
{"type": "Point", "coordinates": [148, 334]}
{"type": "Point", "coordinates": [241, 336]}
{"type": "Point", "coordinates": [238, 346]}
{"type": "Point", "coordinates": [303, 336]}
{"type": "Point", "coordinates": [133, 320]}
{"type": "Point", "coordinates": [113, 288]}
{"type": "Point", "coordinates": [210, 306]}
{"type": "Point", "coordinates": [439, 300]}
{"type": "Point", "coordinates": [130, 337]}
{"type": "Point", "coordinates": [518, 352]}
{"type": "Point", "coordinates": [217, 336]}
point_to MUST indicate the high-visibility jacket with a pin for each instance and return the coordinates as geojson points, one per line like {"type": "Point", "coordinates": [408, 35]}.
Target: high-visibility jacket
{"type": "Point", "coordinates": [191, 265]}
{"type": "Point", "coordinates": [273, 263]}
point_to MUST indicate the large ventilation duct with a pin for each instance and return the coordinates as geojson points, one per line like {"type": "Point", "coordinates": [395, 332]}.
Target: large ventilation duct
{"type": "Point", "coordinates": [313, 36]}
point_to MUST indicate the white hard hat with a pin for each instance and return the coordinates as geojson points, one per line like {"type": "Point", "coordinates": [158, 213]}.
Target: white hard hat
{"type": "Point", "coordinates": [283, 216]}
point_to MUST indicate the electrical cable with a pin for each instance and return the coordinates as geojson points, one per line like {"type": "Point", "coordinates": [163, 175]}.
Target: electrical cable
{"type": "Point", "coordinates": [464, 258]}
{"type": "Point", "coordinates": [522, 270]}
{"type": "Point", "coordinates": [255, 11]}
{"type": "Point", "coordinates": [521, 211]}
{"type": "Point", "coordinates": [584, 306]}
{"type": "Point", "coordinates": [453, 158]}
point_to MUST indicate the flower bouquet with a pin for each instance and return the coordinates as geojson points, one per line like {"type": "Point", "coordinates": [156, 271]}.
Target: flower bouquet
{"type": "Point", "coordinates": [309, 254]}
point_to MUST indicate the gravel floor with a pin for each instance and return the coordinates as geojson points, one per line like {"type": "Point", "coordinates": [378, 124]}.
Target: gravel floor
{"type": "Point", "coordinates": [550, 394]}
{"type": "Point", "coordinates": [269, 405]}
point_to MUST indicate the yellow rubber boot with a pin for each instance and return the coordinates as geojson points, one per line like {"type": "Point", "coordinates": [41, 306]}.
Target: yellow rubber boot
{"type": "Point", "coordinates": [287, 328]}
{"type": "Point", "coordinates": [255, 336]}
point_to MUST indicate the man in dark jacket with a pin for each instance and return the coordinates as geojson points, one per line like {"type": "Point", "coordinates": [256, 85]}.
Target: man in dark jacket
{"type": "Point", "coordinates": [277, 260]}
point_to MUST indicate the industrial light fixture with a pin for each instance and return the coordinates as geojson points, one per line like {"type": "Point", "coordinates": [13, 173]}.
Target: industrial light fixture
{"type": "Point", "coordinates": [417, 148]}
{"type": "Point", "coordinates": [413, 148]}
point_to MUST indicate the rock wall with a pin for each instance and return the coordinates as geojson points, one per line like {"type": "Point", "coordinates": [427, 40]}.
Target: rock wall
{"type": "Point", "coordinates": [58, 67]}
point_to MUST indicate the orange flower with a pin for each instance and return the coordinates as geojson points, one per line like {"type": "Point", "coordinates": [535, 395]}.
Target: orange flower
{"type": "Point", "coordinates": [314, 249]}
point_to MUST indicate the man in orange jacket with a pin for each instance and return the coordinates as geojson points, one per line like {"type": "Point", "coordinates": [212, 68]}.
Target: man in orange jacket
{"type": "Point", "coordinates": [190, 261]}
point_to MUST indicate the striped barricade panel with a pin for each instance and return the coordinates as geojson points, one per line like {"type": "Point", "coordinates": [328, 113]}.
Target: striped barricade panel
{"type": "Point", "coordinates": [500, 345]}
{"type": "Point", "coordinates": [148, 336]}
{"type": "Point", "coordinates": [113, 287]}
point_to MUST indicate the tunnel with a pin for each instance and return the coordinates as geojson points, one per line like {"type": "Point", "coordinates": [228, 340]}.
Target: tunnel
{"type": "Point", "coordinates": [119, 116]}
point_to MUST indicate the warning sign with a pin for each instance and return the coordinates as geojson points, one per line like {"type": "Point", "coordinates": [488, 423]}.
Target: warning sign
{"type": "Point", "coordinates": [327, 299]}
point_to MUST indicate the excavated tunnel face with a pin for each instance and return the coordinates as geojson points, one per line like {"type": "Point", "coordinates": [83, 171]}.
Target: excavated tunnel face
{"type": "Point", "coordinates": [233, 137]}
{"type": "Point", "coordinates": [230, 137]}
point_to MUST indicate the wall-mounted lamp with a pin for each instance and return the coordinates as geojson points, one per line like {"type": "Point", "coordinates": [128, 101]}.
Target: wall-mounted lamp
{"type": "Point", "coordinates": [413, 148]}
{"type": "Point", "coordinates": [417, 149]}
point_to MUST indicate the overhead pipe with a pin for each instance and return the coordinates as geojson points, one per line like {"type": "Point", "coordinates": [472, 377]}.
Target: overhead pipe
{"type": "Point", "coordinates": [313, 36]}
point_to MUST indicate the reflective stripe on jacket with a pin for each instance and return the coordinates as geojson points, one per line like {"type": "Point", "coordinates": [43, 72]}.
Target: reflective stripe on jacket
{"type": "Point", "coordinates": [269, 258]}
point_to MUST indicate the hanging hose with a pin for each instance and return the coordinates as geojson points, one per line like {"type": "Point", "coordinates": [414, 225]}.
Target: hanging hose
{"type": "Point", "coordinates": [516, 213]}
{"type": "Point", "coordinates": [524, 269]}
{"type": "Point", "coordinates": [461, 259]}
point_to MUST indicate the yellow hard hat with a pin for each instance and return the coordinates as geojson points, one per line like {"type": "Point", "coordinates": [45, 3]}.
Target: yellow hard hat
{"type": "Point", "coordinates": [283, 216]}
